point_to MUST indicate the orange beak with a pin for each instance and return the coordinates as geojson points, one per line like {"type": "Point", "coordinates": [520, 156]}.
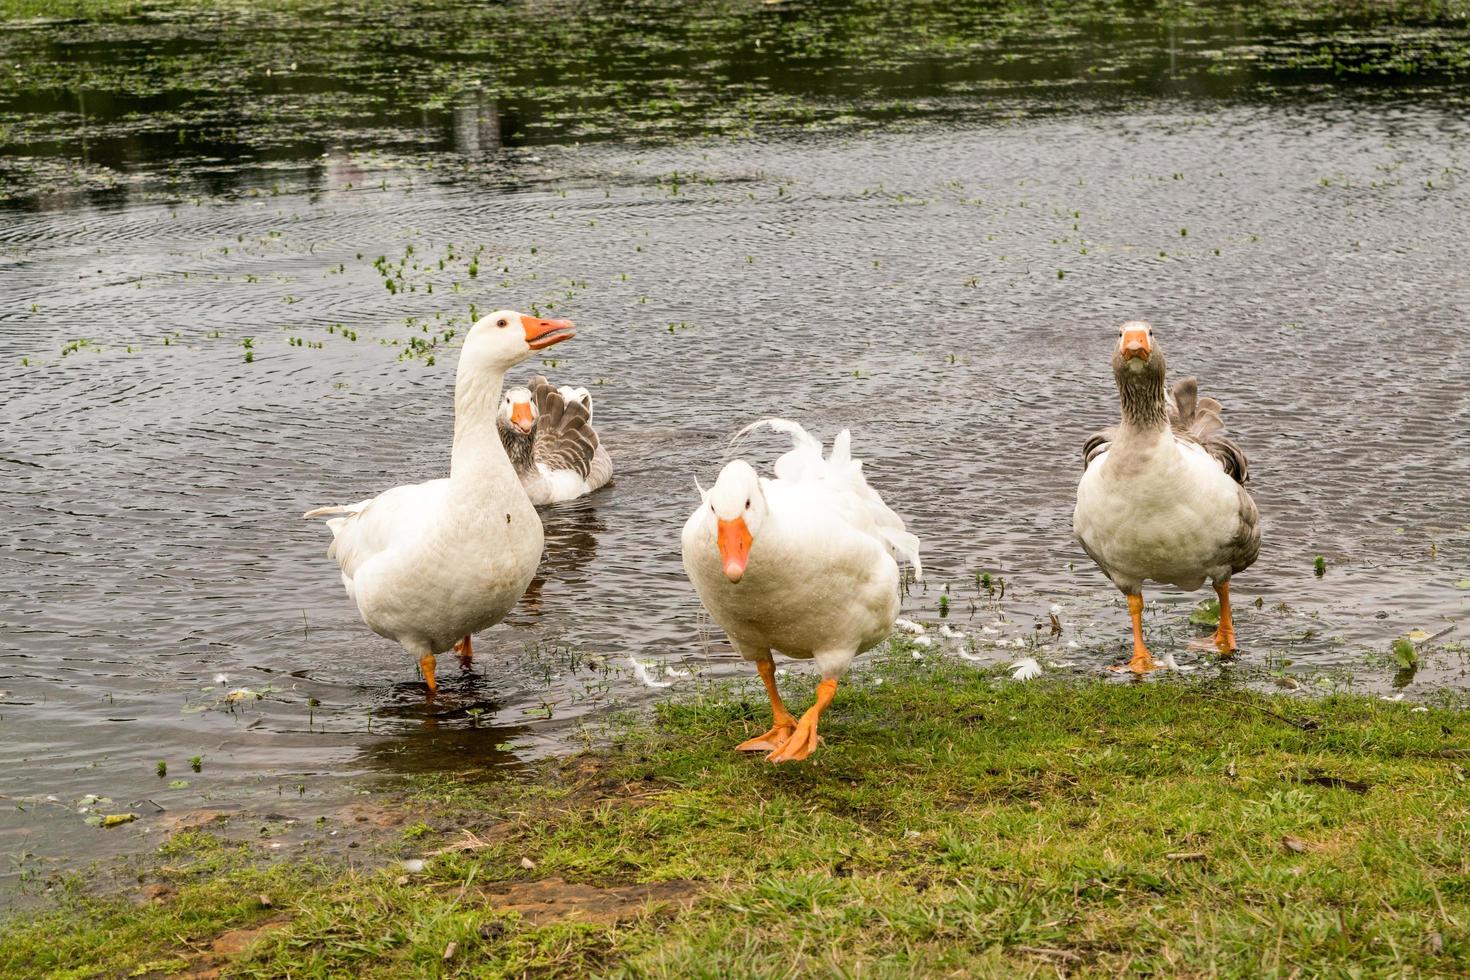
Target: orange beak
{"type": "Point", "coordinates": [734, 540]}
{"type": "Point", "coordinates": [1135, 344]}
{"type": "Point", "coordinates": [520, 416]}
{"type": "Point", "coordinates": [541, 334]}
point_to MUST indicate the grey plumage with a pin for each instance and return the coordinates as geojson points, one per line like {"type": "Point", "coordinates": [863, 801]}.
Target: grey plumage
{"type": "Point", "coordinates": [1201, 420]}
{"type": "Point", "coordinates": [563, 438]}
{"type": "Point", "coordinates": [1194, 419]}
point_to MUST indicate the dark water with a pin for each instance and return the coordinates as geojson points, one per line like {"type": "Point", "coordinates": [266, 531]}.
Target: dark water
{"type": "Point", "coordinates": [945, 281]}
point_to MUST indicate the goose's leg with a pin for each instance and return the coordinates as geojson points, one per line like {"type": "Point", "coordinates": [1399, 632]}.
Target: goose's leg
{"type": "Point", "coordinates": [1142, 661]}
{"type": "Point", "coordinates": [1225, 632]}
{"type": "Point", "coordinates": [805, 738]}
{"type": "Point", "coordinates": [466, 653]}
{"type": "Point", "coordinates": [426, 664]}
{"type": "Point", "coordinates": [782, 723]}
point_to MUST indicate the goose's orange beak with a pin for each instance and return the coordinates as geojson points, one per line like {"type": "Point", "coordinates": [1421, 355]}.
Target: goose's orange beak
{"type": "Point", "coordinates": [734, 540]}
{"type": "Point", "coordinates": [520, 416]}
{"type": "Point", "coordinates": [541, 334]}
{"type": "Point", "coordinates": [1135, 344]}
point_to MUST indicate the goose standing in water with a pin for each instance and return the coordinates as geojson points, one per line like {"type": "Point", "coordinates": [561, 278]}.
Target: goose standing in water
{"type": "Point", "coordinates": [431, 563]}
{"type": "Point", "coordinates": [549, 437]}
{"type": "Point", "coordinates": [1163, 494]}
{"type": "Point", "coordinates": [806, 564]}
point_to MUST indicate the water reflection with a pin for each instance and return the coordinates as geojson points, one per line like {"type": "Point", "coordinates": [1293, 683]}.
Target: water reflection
{"type": "Point", "coordinates": [88, 110]}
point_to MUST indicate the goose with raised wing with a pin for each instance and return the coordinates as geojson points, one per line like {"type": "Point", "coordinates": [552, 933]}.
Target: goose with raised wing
{"type": "Point", "coordinates": [428, 564]}
{"type": "Point", "coordinates": [805, 564]}
{"type": "Point", "coordinates": [549, 437]}
{"type": "Point", "coordinates": [1163, 496]}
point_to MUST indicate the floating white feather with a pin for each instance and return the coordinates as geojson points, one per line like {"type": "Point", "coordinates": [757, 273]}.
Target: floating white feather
{"type": "Point", "coordinates": [1026, 669]}
{"type": "Point", "coordinates": [640, 671]}
{"type": "Point", "coordinates": [1173, 664]}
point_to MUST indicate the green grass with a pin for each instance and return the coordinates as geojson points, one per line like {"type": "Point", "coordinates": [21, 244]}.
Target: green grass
{"type": "Point", "coordinates": [955, 822]}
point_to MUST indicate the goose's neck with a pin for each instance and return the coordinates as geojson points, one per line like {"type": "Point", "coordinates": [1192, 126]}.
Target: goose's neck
{"type": "Point", "coordinates": [478, 464]}
{"type": "Point", "coordinates": [1141, 395]}
{"type": "Point", "coordinates": [519, 446]}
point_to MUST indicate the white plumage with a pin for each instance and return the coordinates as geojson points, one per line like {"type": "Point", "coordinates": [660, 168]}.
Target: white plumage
{"type": "Point", "coordinates": [430, 563]}
{"type": "Point", "coordinates": [806, 564]}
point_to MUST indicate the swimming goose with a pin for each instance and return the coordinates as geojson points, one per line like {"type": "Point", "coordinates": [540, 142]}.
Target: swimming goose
{"type": "Point", "coordinates": [1163, 494]}
{"type": "Point", "coordinates": [805, 564]}
{"type": "Point", "coordinates": [551, 442]}
{"type": "Point", "coordinates": [431, 563]}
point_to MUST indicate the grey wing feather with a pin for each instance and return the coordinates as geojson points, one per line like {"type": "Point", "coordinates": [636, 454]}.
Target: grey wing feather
{"type": "Point", "coordinates": [602, 468]}
{"type": "Point", "coordinates": [1202, 420]}
{"type": "Point", "coordinates": [1247, 543]}
{"type": "Point", "coordinates": [565, 439]}
{"type": "Point", "coordinates": [1097, 444]}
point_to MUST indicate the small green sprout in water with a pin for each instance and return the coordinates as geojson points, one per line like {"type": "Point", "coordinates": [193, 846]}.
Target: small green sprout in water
{"type": "Point", "coordinates": [1320, 566]}
{"type": "Point", "coordinates": [1404, 653]}
{"type": "Point", "coordinates": [249, 344]}
{"type": "Point", "coordinates": [944, 603]}
{"type": "Point", "coordinates": [1207, 613]}
{"type": "Point", "coordinates": [1183, 232]}
{"type": "Point", "coordinates": [197, 763]}
{"type": "Point", "coordinates": [161, 768]}
{"type": "Point", "coordinates": [1061, 274]}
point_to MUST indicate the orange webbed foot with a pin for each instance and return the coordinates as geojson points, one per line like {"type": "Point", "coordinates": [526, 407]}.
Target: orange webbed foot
{"type": "Point", "coordinates": [1142, 663]}
{"type": "Point", "coordinates": [771, 740]}
{"type": "Point", "coordinates": [466, 653]}
{"type": "Point", "coordinates": [805, 738]}
{"type": "Point", "coordinates": [800, 745]}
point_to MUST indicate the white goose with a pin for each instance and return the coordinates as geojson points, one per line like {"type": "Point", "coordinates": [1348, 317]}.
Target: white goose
{"type": "Point", "coordinates": [1163, 494]}
{"type": "Point", "coordinates": [549, 437]}
{"type": "Point", "coordinates": [804, 564]}
{"type": "Point", "coordinates": [430, 563]}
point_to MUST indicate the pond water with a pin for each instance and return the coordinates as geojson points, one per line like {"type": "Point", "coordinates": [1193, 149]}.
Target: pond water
{"type": "Point", "coordinates": [934, 251]}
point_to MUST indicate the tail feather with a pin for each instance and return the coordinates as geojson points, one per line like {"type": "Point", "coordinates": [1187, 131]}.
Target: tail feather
{"type": "Point", "coordinates": [805, 462]}
{"type": "Point", "coordinates": [1202, 420]}
{"type": "Point", "coordinates": [565, 439]}
{"type": "Point", "coordinates": [334, 509]}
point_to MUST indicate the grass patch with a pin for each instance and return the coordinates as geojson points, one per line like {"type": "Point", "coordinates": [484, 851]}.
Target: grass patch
{"type": "Point", "coordinates": [955, 821]}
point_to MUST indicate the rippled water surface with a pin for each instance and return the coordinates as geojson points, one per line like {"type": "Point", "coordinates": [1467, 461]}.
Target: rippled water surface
{"type": "Point", "coordinates": [947, 286]}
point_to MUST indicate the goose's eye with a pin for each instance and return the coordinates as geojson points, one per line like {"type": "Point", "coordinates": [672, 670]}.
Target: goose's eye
{"type": "Point", "coordinates": [501, 322]}
{"type": "Point", "coordinates": [747, 503]}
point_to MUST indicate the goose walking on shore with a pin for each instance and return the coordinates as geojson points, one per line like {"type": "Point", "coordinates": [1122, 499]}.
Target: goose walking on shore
{"type": "Point", "coordinates": [805, 564]}
{"type": "Point", "coordinates": [1163, 495]}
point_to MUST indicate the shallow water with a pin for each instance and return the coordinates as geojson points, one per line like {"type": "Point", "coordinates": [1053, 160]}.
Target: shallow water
{"type": "Point", "coordinates": [949, 291]}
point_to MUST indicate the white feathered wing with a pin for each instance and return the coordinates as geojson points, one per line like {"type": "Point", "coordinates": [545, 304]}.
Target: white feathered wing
{"type": "Point", "coordinates": [840, 475]}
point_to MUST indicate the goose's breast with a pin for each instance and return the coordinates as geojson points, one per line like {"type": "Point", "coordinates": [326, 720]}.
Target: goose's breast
{"type": "Point", "coordinates": [803, 590]}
